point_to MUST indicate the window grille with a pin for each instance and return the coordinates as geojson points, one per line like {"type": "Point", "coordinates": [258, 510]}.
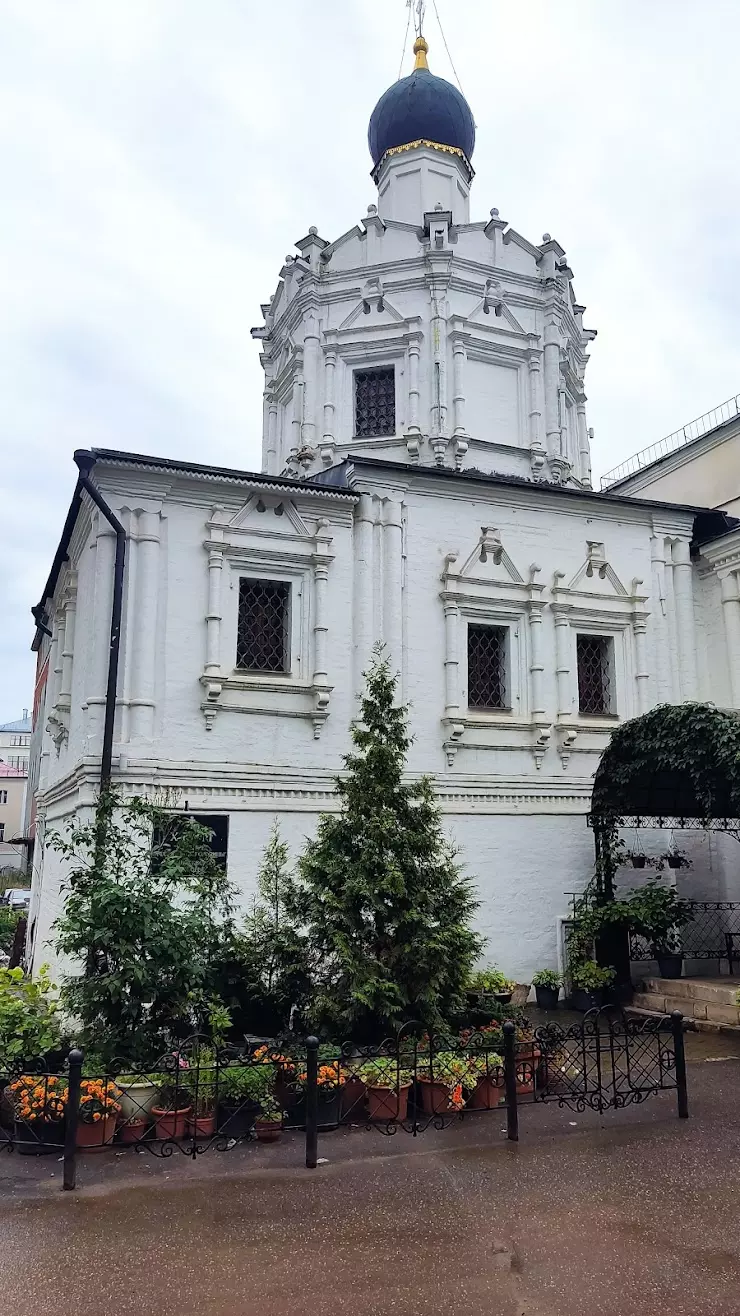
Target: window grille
{"type": "Point", "coordinates": [487, 667]}
{"type": "Point", "coordinates": [3, 797]}
{"type": "Point", "coordinates": [594, 654]}
{"type": "Point", "coordinates": [263, 629]}
{"type": "Point", "coordinates": [2, 831]}
{"type": "Point", "coordinates": [375, 402]}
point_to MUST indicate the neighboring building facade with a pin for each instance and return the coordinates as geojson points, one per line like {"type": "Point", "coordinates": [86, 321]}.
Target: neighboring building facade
{"type": "Point", "coordinates": [700, 462]}
{"type": "Point", "coordinates": [15, 742]}
{"type": "Point", "coordinates": [12, 798]}
{"type": "Point", "coordinates": [426, 483]}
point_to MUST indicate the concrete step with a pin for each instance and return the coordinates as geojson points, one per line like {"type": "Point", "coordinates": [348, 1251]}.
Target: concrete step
{"type": "Point", "coordinates": [692, 1025]}
{"type": "Point", "coordinates": [705, 999]}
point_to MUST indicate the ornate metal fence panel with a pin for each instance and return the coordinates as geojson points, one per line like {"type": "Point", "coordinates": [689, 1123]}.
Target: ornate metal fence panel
{"type": "Point", "coordinates": [199, 1098]}
{"type": "Point", "coordinates": [712, 934]}
{"type": "Point", "coordinates": [610, 1061]}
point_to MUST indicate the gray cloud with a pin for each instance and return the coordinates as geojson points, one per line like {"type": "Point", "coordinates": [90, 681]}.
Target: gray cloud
{"type": "Point", "coordinates": [160, 159]}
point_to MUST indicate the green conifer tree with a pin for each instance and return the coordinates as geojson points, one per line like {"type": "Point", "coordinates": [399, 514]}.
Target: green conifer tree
{"type": "Point", "coordinates": [385, 905]}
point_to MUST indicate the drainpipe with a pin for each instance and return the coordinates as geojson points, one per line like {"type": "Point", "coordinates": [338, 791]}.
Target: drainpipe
{"type": "Point", "coordinates": [85, 464]}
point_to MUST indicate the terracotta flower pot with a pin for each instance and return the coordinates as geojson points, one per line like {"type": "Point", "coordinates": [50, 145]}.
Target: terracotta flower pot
{"type": "Point", "coordinates": [268, 1130]}
{"type": "Point", "coordinates": [202, 1126]}
{"type": "Point", "coordinates": [388, 1103]}
{"type": "Point", "coordinates": [132, 1131]}
{"type": "Point", "coordinates": [353, 1097]}
{"type": "Point", "coordinates": [96, 1135]}
{"type": "Point", "coordinates": [488, 1092]}
{"type": "Point", "coordinates": [170, 1123]}
{"type": "Point", "coordinates": [435, 1096]}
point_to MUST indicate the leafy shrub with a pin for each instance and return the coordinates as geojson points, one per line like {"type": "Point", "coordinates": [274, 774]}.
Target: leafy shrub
{"type": "Point", "coordinates": [29, 1026]}
{"type": "Point", "coordinates": [590, 977]}
{"type": "Point", "coordinates": [148, 913]}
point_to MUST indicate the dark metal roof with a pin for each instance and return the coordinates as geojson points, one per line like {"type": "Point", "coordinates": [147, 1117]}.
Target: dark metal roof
{"type": "Point", "coordinates": [201, 471]}
{"type": "Point", "coordinates": [337, 477]}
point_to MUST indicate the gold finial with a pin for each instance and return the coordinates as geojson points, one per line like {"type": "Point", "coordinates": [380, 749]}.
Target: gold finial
{"type": "Point", "coordinates": [420, 50]}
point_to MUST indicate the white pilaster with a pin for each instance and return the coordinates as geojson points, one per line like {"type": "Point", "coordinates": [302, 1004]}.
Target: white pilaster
{"type": "Point", "coordinates": [659, 621]}
{"type": "Point", "coordinates": [583, 443]}
{"type": "Point", "coordinates": [413, 433]}
{"type": "Point", "coordinates": [69, 605]}
{"type": "Point", "coordinates": [536, 446]}
{"type": "Point", "coordinates": [552, 381]}
{"type": "Point", "coordinates": [271, 464]}
{"type": "Point", "coordinates": [105, 555]}
{"type": "Point", "coordinates": [392, 581]}
{"type": "Point", "coordinates": [144, 655]}
{"type": "Point", "coordinates": [310, 380]}
{"type": "Point", "coordinates": [458, 395]}
{"type": "Point", "coordinates": [685, 624]}
{"type": "Point", "coordinates": [731, 618]}
{"type": "Point", "coordinates": [642, 671]}
{"type": "Point", "coordinates": [363, 610]}
{"type": "Point", "coordinates": [328, 439]}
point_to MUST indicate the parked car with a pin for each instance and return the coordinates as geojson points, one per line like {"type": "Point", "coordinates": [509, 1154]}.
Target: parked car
{"type": "Point", "coordinates": [16, 898]}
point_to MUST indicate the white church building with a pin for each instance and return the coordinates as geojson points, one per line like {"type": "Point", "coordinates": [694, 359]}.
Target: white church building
{"type": "Point", "coordinates": [425, 482]}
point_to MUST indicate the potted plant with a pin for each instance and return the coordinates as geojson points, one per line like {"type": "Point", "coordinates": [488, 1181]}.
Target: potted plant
{"type": "Point", "coordinates": [588, 981]}
{"type": "Point", "coordinates": [387, 1085]}
{"type": "Point", "coordinates": [203, 1083]}
{"type": "Point", "coordinates": [658, 914]}
{"type": "Point", "coordinates": [39, 1106]}
{"type": "Point", "coordinates": [98, 1111]}
{"type": "Point", "coordinates": [329, 1081]}
{"type": "Point", "coordinates": [269, 1124]}
{"type": "Point", "coordinates": [138, 1093]}
{"type": "Point", "coordinates": [547, 984]}
{"type": "Point", "coordinates": [488, 1071]}
{"type": "Point", "coordinates": [243, 1088]}
{"type": "Point", "coordinates": [489, 982]}
{"type": "Point", "coordinates": [675, 859]}
{"type": "Point", "coordinates": [172, 1109]}
{"type": "Point", "coordinates": [441, 1082]}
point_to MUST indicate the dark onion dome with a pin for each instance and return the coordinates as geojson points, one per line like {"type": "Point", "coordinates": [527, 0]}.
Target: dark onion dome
{"type": "Point", "coordinates": [421, 108]}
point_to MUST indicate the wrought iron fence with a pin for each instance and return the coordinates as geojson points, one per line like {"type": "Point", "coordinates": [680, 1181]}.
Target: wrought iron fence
{"type": "Point", "coordinates": [712, 933]}
{"type": "Point", "coordinates": [198, 1098]}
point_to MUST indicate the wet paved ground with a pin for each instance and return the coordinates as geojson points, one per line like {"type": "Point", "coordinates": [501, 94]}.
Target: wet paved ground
{"type": "Point", "coordinates": [631, 1212]}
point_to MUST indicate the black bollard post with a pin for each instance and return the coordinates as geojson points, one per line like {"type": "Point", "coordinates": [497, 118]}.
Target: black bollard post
{"type": "Point", "coordinates": [512, 1114]}
{"type": "Point", "coordinates": [312, 1102]}
{"type": "Point", "coordinates": [72, 1118]}
{"type": "Point", "coordinates": [679, 1052]}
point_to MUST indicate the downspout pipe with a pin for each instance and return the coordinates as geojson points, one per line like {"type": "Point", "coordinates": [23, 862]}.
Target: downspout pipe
{"type": "Point", "coordinates": [85, 463]}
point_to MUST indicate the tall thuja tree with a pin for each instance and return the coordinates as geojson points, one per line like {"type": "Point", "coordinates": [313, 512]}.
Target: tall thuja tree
{"type": "Point", "coordinates": [386, 907]}
{"type": "Point", "coordinates": [278, 943]}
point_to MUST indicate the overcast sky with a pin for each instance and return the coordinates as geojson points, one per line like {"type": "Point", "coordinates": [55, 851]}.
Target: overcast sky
{"type": "Point", "coordinates": [160, 157]}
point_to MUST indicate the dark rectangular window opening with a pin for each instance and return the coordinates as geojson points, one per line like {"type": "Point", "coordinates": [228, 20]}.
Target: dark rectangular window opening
{"type": "Point", "coordinates": [165, 835]}
{"type": "Point", "coordinates": [487, 685]}
{"type": "Point", "coordinates": [263, 632]}
{"type": "Point", "coordinates": [594, 655]}
{"type": "Point", "coordinates": [375, 402]}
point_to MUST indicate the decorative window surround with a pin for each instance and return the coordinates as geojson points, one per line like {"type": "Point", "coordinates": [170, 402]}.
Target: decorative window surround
{"type": "Point", "coordinates": [614, 612]}
{"type": "Point", "coordinates": [488, 588]}
{"type": "Point", "coordinates": [268, 539]}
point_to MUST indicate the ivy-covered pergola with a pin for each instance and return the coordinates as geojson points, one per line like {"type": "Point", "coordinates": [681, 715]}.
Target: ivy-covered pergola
{"type": "Point", "coordinates": [677, 766]}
